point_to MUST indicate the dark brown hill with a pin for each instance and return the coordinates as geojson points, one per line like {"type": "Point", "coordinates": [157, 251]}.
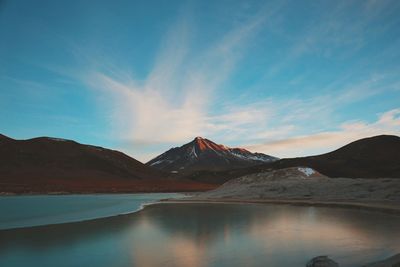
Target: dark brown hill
{"type": "Point", "coordinates": [50, 164]}
{"type": "Point", "coordinates": [374, 157]}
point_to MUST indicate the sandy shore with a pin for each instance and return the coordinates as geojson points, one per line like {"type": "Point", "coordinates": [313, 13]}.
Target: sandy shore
{"type": "Point", "coordinates": [305, 186]}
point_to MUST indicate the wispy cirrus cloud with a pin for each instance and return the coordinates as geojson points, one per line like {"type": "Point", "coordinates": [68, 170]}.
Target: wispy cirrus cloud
{"type": "Point", "coordinates": [325, 141]}
{"type": "Point", "coordinates": [177, 100]}
{"type": "Point", "coordinates": [338, 35]}
{"type": "Point", "coordinates": [172, 103]}
{"type": "Point", "coordinates": [281, 73]}
{"type": "Point", "coordinates": [144, 116]}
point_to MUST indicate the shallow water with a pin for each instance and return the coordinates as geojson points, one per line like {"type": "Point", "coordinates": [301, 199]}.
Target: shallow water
{"type": "Point", "coordinates": [208, 235]}
{"type": "Point", "coordinates": [34, 210]}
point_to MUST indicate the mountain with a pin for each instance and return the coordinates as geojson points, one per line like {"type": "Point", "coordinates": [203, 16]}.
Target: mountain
{"type": "Point", "coordinates": [51, 164]}
{"type": "Point", "coordinates": [44, 165]}
{"type": "Point", "coordinates": [203, 154]}
{"type": "Point", "coordinates": [373, 157]}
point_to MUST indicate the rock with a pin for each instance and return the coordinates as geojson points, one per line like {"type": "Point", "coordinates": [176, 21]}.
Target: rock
{"type": "Point", "coordinates": [322, 261]}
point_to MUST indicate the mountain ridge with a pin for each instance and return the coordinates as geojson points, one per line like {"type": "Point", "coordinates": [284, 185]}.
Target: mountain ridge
{"type": "Point", "coordinates": [47, 164]}
{"type": "Point", "coordinates": [371, 157]}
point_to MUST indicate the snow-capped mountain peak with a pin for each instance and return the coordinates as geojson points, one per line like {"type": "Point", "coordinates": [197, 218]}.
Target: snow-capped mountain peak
{"type": "Point", "coordinates": [203, 154]}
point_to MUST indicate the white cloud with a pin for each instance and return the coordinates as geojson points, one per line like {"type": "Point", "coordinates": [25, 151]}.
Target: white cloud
{"type": "Point", "coordinates": [171, 104]}
{"type": "Point", "coordinates": [176, 101]}
{"type": "Point", "coordinates": [388, 123]}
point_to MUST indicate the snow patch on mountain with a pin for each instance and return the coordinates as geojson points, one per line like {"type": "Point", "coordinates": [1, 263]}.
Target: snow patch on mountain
{"type": "Point", "coordinates": [193, 152]}
{"type": "Point", "coordinates": [203, 154]}
{"type": "Point", "coordinates": [307, 171]}
{"type": "Point", "coordinates": [157, 162]}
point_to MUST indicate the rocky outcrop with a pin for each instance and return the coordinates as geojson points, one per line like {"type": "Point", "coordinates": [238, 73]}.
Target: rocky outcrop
{"type": "Point", "coordinates": [305, 183]}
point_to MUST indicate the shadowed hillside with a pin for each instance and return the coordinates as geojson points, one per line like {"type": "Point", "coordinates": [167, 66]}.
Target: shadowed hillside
{"type": "Point", "coordinates": [374, 157]}
{"type": "Point", "coordinates": [51, 164]}
{"type": "Point", "coordinates": [203, 154]}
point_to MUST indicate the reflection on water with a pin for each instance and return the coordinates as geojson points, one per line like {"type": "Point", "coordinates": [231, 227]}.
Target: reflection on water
{"type": "Point", "coordinates": [208, 235]}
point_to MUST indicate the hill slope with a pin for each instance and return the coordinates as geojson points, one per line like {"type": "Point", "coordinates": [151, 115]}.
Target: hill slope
{"type": "Point", "coordinates": [203, 154]}
{"type": "Point", "coordinates": [298, 183]}
{"type": "Point", "coordinates": [374, 157]}
{"type": "Point", "coordinates": [51, 164]}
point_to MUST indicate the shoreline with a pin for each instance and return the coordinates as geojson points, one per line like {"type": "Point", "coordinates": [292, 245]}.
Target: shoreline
{"type": "Point", "coordinates": [391, 208]}
{"type": "Point", "coordinates": [141, 206]}
{"type": "Point", "coordinates": [75, 221]}
{"type": "Point", "coordinates": [385, 207]}
{"type": "Point", "coordinates": [61, 193]}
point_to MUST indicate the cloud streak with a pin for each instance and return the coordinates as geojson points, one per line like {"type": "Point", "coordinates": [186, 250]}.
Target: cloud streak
{"type": "Point", "coordinates": [177, 100]}
{"type": "Point", "coordinates": [172, 103]}
{"type": "Point", "coordinates": [387, 123]}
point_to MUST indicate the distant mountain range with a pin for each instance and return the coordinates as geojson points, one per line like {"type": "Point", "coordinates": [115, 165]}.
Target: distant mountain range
{"type": "Point", "coordinates": [374, 157]}
{"type": "Point", "coordinates": [43, 165]}
{"type": "Point", "coordinates": [51, 164]}
{"type": "Point", "coordinates": [203, 154]}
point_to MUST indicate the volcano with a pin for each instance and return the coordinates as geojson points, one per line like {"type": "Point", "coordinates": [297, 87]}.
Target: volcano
{"type": "Point", "coordinates": [203, 154]}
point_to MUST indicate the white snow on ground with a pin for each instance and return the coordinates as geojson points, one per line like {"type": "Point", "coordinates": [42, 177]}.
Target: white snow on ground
{"type": "Point", "coordinates": [157, 162]}
{"type": "Point", "coordinates": [307, 171]}
{"type": "Point", "coordinates": [239, 155]}
{"type": "Point", "coordinates": [193, 152]}
{"type": "Point", "coordinates": [250, 157]}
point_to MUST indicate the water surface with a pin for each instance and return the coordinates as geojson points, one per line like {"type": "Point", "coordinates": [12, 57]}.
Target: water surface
{"type": "Point", "coordinates": [208, 235]}
{"type": "Point", "coordinates": [34, 210]}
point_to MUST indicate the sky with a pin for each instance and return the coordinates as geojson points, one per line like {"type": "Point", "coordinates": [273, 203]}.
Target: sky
{"type": "Point", "coordinates": [285, 78]}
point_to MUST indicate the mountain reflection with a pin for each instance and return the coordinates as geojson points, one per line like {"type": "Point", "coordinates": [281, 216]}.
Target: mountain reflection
{"type": "Point", "coordinates": [208, 235]}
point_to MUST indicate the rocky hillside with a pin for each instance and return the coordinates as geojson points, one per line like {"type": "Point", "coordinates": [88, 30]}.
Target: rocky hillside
{"type": "Point", "coordinates": [203, 154]}
{"type": "Point", "coordinates": [374, 157]}
{"type": "Point", "coordinates": [305, 183]}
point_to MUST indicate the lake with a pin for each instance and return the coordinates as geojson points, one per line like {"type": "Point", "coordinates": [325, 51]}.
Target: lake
{"type": "Point", "coordinates": [35, 210]}
{"type": "Point", "coordinates": [194, 234]}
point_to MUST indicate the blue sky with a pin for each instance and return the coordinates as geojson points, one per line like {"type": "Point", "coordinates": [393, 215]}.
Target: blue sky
{"type": "Point", "coordinates": [287, 78]}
